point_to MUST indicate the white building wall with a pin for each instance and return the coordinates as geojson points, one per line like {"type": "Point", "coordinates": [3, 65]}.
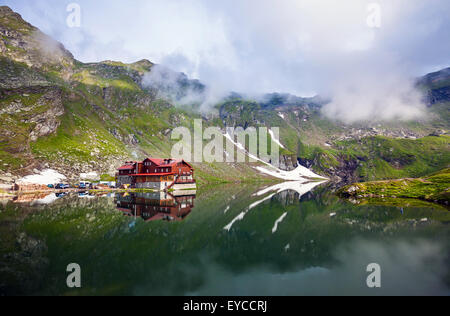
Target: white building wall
{"type": "Point", "coordinates": [185, 186]}
{"type": "Point", "coordinates": [159, 186]}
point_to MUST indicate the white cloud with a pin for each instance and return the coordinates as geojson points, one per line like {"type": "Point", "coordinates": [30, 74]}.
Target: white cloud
{"type": "Point", "coordinates": [254, 46]}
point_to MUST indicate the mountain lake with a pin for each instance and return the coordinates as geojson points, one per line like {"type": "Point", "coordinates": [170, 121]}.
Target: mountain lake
{"type": "Point", "coordinates": [283, 239]}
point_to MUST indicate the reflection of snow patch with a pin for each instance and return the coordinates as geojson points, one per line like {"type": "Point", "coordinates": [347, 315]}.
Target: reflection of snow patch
{"type": "Point", "coordinates": [241, 216]}
{"type": "Point", "coordinates": [298, 174]}
{"type": "Point", "coordinates": [260, 201]}
{"type": "Point", "coordinates": [278, 221]}
{"type": "Point", "coordinates": [238, 218]}
{"type": "Point", "coordinates": [87, 196]}
{"type": "Point", "coordinates": [49, 199]}
{"type": "Point", "coordinates": [226, 210]}
{"type": "Point", "coordinates": [281, 115]}
{"type": "Point", "coordinates": [46, 177]}
{"type": "Point", "coordinates": [298, 186]}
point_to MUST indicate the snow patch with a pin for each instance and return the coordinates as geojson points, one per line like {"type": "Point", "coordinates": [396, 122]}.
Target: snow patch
{"type": "Point", "coordinates": [295, 175]}
{"type": "Point", "coordinates": [46, 177]}
{"type": "Point", "coordinates": [275, 140]}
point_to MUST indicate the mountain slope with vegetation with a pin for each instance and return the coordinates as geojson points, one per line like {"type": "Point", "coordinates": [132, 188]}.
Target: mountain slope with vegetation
{"type": "Point", "coordinates": [59, 113]}
{"type": "Point", "coordinates": [77, 118]}
{"type": "Point", "coordinates": [349, 152]}
{"type": "Point", "coordinates": [434, 188]}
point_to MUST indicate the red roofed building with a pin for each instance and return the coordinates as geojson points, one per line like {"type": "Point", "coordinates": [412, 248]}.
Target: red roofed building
{"type": "Point", "coordinates": [157, 174]}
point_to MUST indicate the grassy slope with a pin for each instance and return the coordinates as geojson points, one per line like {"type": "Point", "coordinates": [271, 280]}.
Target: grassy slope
{"type": "Point", "coordinates": [85, 134]}
{"type": "Point", "coordinates": [105, 97]}
{"type": "Point", "coordinates": [304, 132]}
{"type": "Point", "coordinates": [376, 158]}
{"type": "Point", "coordinates": [386, 158]}
{"type": "Point", "coordinates": [84, 139]}
{"type": "Point", "coordinates": [433, 188]}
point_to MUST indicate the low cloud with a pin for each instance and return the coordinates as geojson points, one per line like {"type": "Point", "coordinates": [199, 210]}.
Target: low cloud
{"type": "Point", "coordinates": [375, 97]}
{"type": "Point", "coordinates": [52, 51]}
{"type": "Point", "coordinates": [173, 85]}
{"type": "Point", "coordinates": [302, 47]}
{"type": "Point", "coordinates": [180, 89]}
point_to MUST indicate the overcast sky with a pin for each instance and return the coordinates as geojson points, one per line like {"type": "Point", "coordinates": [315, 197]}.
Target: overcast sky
{"type": "Point", "coordinates": [344, 49]}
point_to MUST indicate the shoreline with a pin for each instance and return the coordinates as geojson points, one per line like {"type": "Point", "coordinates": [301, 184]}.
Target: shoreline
{"type": "Point", "coordinates": [12, 193]}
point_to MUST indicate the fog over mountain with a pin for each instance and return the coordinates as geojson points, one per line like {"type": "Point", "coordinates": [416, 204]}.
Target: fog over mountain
{"type": "Point", "coordinates": [256, 46]}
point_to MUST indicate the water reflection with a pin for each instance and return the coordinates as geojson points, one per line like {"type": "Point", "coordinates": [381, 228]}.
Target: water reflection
{"type": "Point", "coordinates": [156, 206]}
{"type": "Point", "coordinates": [286, 239]}
{"type": "Point", "coordinates": [281, 190]}
{"type": "Point", "coordinates": [409, 267]}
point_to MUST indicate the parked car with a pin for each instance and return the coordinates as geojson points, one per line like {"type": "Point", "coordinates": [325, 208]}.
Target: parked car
{"type": "Point", "coordinates": [62, 186]}
{"type": "Point", "coordinates": [50, 186]}
{"type": "Point", "coordinates": [82, 186]}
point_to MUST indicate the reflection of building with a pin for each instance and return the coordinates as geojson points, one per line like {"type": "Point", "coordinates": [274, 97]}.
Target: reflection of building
{"type": "Point", "coordinates": [156, 206]}
{"type": "Point", "coordinates": [158, 174]}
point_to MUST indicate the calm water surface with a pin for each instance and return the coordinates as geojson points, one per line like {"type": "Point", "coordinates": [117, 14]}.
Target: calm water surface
{"type": "Point", "coordinates": [289, 239]}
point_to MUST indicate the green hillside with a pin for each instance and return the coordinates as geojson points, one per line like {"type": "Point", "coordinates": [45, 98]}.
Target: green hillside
{"type": "Point", "coordinates": [434, 188]}
{"type": "Point", "coordinates": [59, 113]}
